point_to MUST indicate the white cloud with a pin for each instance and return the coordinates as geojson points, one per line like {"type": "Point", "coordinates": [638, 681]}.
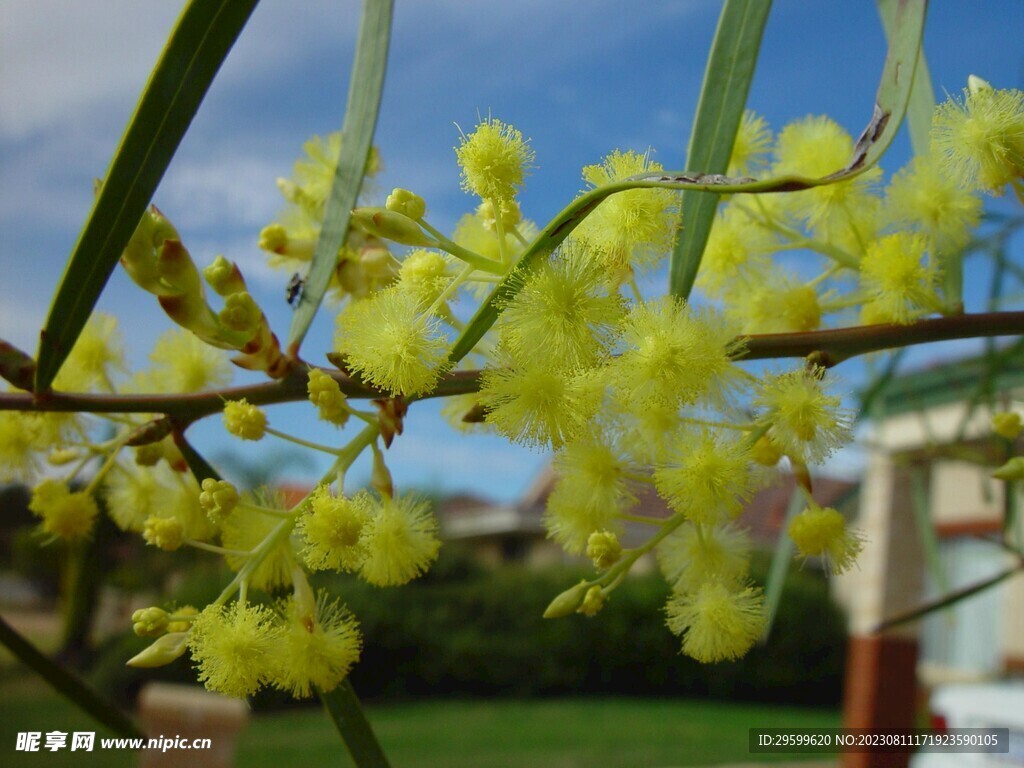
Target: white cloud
{"type": "Point", "coordinates": [58, 59]}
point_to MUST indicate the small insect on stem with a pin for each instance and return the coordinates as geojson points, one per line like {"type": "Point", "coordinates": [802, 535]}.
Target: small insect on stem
{"type": "Point", "coordinates": [293, 291]}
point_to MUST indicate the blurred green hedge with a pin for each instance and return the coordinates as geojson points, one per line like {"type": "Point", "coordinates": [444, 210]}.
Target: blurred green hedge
{"type": "Point", "coordinates": [466, 631]}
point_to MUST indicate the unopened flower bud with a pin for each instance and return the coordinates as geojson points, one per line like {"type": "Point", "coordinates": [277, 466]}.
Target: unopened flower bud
{"type": "Point", "coordinates": [593, 602]}
{"type": "Point", "coordinates": [181, 620]}
{"type": "Point", "coordinates": [510, 213]}
{"type": "Point", "coordinates": [244, 420]}
{"type": "Point", "coordinates": [241, 313]}
{"type": "Point", "coordinates": [604, 549]}
{"type": "Point", "coordinates": [380, 477]}
{"type": "Point", "coordinates": [150, 622]}
{"type": "Point", "coordinates": [162, 652]}
{"type": "Point", "coordinates": [976, 85]}
{"type": "Point", "coordinates": [406, 202]}
{"type": "Point", "coordinates": [1011, 470]}
{"type": "Point", "coordinates": [223, 276]}
{"type": "Point", "coordinates": [391, 226]}
{"type": "Point", "coordinates": [166, 533]}
{"type": "Point", "coordinates": [61, 456]}
{"type": "Point", "coordinates": [325, 393]}
{"type": "Point", "coordinates": [1007, 425]}
{"type": "Point", "coordinates": [218, 499]}
{"type": "Point", "coordinates": [567, 602]}
{"type": "Point", "coordinates": [149, 455]}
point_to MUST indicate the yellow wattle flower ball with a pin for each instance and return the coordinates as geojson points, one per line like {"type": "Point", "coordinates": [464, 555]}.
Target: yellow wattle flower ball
{"type": "Point", "coordinates": [897, 278]}
{"type": "Point", "coordinates": [715, 622]}
{"type": "Point", "coordinates": [317, 651]}
{"type": "Point", "coordinates": [822, 532]}
{"type": "Point", "coordinates": [803, 419]}
{"type": "Point", "coordinates": [236, 649]}
{"type": "Point", "coordinates": [629, 228]}
{"type": "Point", "coordinates": [392, 343]}
{"type": "Point", "coordinates": [332, 529]}
{"type": "Point", "coordinates": [244, 420]}
{"type": "Point", "coordinates": [979, 140]}
{"type": "Point", "coordinates": [495, 159]}
{"type": "Point", "coordinates": [401, 542]}
{"type": "Point", "coordinates": [64, 514]}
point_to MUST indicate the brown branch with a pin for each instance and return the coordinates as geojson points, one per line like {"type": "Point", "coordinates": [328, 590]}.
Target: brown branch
{"type": "Point", "coordinates": [827, 348]}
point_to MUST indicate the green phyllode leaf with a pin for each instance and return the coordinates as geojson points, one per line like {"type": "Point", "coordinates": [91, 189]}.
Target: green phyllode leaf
{"type": "Point", "coordinates": [197, 47]}
{"type": "Point", "coordinates": [364, 96]}
{"type": "Point", "coordinates": [723, 97]}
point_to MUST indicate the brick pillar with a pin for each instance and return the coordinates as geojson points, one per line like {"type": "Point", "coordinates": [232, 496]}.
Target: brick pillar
{"type": "Point", "coordinates": [881, 692]}
{"type": "Point", "coordinates": [881, 680]}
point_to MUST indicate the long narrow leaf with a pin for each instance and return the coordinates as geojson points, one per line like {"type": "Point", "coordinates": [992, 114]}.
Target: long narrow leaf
{"type": "Point", "coordinates": [947, 600]}
{"type": "Point", "coordinates": [926, 529]}
{"type": "Point", "coordinates": [364, 95]}
{"type": "Point", "coordinates": [197, 47]}
{"type": "Point", "coordinates": [723, 97]}
{"type": "Point", "coordinates": [347, 715]}
{"type": "Point", "coordinates": [922, 94]}
{"type": "Point", "coordinates": [69, 685]}
{"type": "Point", "coordinates": [781, 559]}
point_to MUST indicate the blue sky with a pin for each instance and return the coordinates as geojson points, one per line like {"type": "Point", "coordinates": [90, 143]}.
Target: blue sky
{"type": "Point", "coordinates": [580, 79]}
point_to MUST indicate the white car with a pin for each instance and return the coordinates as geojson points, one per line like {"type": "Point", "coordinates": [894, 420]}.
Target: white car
{"type": "Point", "coordinates": [988, 705]}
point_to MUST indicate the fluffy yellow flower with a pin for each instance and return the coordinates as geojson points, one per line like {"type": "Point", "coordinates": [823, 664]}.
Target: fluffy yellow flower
{"type": "Point", "coordinates": [691, 556]}
{"type": "Point", "coordinates": [752, 145]}
{"type": "Point", "coordinates": [672, 355]}
{"type": "Point", "coordinates": [804, 420]}
{"type": "Point", "coordinates": [247, 528]}
{"type": "Point", "coordinates": [494, 159]}
{"type": "Point", "coordinates": [898, 280]}
{"type": "Point", "coordinates": [236, 649]}
{"type": "Point", "coordinates": [98, 353]}
{"type": "Point", "coordinates": [822, 532]}
{"type": "Point", "coordinates": [18, 435]}
{"type": "Point", "coordinates": [816, 147]}
{"type": "Point", "coordinates": [389, 341]}
{"type": "Point", "coordinates": [736, 253]}
{"type": "Point", "coordinates": [591, 489]}
{"type": "Point", "coordinates": [777, 303]}
{"type": "Point", "coordinates": [64, 514]}
{"type": "Point", "coordinates": [316, 652]}
{"type": "Point", "coordinates": [184, 363]}
{"type": "Point", "coordinates": [979, 140]}
{"type": "Point", "coordinates": [530, 404]}
{"type": "Point", "coordinates": [562, 316]}
{"type": "Point", "coordinates": [717, 623]}
{"type": "Point", "coordinates": [705, 476]}
{"type": "Point", "coordinates": [629, 228]}
{"type": "Point", "coordinates": [401, 542]}
{"type": "Point", "coordinates": [332, 529]}
{"type": "Point", "coordinates": [425, 274]}
{"type": "Point", "coordinates": [924, 197]}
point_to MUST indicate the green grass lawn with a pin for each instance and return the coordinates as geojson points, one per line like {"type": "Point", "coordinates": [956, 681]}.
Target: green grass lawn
{"type": "Point", "coordinates": [563, 733]}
